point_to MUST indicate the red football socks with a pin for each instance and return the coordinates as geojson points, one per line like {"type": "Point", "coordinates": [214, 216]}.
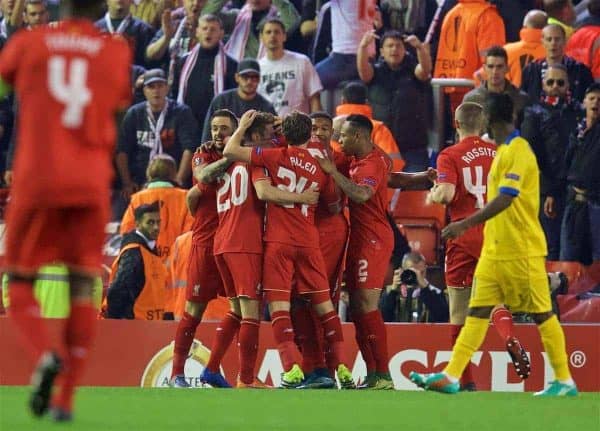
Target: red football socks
{"type": "Point", "coordinates": [184, 336]}
{"type": "Point", "coordinates": [80, 332]}
{"type": "Point", "coordinates": [226, 330]}
{"type": "Point", "coordinates": [503, 322]}
{"type": "Point", "coordinates": [363, 343]}
{"type": "Point", "coordinates": [467, 375]}
{"type": "Point", "coordinates": [309, 337]}
{"type": "Point", "coordinates": [283, 333]}
{"type": "Point", "coordinates": [332, 328]}
{"type": "Point", "coordinates": [248, 348]}
{"type": "Point", "coordinates": [25, 313]}
{"type": "Point", "coordinates": [376, 335]}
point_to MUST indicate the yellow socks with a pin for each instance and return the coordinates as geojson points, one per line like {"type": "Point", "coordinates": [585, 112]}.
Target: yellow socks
{"type": "Point", "coordinates": [553, 339]}
{"type": "Point", "coordinates": [470, 338]}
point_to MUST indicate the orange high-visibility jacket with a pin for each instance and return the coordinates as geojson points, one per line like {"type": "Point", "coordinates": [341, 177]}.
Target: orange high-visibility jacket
{"type": "Point", "coordinates": [521, 53]}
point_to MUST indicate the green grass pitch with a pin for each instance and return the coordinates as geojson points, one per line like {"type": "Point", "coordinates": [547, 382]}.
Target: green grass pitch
{"type": "Point", "coordinates": [136, 409]}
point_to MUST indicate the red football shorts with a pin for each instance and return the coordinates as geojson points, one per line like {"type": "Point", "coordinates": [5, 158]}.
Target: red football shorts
{"type": "Point", "coordinates": [460, 266]}
{"type": "Point", "coordinates": [333, 250]}
{"type": "Point", "coordinates": [204, 280]}
{"type": "Point", "coordinates": [241, 274]}
{"type": "Point", "coordinates": [366, 266]}
{"type": "Point", "coordinates": [283, 262]}
{"type": "Point", "coordinates": [72, 235]}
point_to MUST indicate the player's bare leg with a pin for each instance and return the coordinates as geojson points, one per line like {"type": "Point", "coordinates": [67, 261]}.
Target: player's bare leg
{"type": "Point", "coordinates": [225, 332]}
{"type": "Point", "coordinates": [248, 343]}
{"type": "Point", "coordinates": [184, 336]}
{"type": "Point", "coordinates": [371, 336]}
{"type": "Point", "coordinates": [80, 332]}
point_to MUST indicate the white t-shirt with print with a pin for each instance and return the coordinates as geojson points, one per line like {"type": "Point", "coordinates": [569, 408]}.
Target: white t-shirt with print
{"type": "Point", "coordinates": [288, 83]}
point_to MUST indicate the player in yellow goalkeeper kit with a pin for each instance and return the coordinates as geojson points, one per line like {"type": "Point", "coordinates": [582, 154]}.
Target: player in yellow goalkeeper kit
{"type": "Point", "coordinates": [511, 269]}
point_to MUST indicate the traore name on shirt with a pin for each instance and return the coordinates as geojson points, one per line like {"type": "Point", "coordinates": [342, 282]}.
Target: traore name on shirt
{"type": "Point", "coordinates": [475, 153]}
{"type": "Point", "coordinates": [74, 42]}
{"type": "Point", "coordinates": [303, 164]}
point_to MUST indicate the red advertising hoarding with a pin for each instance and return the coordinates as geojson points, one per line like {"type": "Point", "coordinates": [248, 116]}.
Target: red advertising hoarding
{"type": "Point", "coordinates": [139, 353]}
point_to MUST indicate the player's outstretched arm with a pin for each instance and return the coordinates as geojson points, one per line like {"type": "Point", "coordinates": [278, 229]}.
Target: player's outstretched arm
{"type": "Point", "coordinates": [492, 208]}
{"type": "Point", "coordinates": [233, 149]}
{"type": "Point", "coordinates": [359, 194]}
{"type": "Point", "coordinates": [268, 193]}
{"type": "Point", "coordinates": [405, 180]}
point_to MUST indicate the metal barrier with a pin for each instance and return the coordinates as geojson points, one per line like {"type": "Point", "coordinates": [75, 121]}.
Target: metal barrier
{"type": "Point", "coordinates": [436, 132]}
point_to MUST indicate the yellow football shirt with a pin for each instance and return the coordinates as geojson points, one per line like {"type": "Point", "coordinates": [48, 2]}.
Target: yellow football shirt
{"type": "Point", "coordinates": [515, 232]}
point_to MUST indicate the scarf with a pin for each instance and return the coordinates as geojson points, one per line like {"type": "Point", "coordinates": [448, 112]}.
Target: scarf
{"type": "Point", "coordinates": [156, 127]}
{"type": "Point", "coordinates": [176, 49]}
{"type": "Point", "coordinates": [555, 101]}
{"type": "Point", "coordinates": [220, 69]}
{"type": "Point", "coordinates": [121, 29]}
{"type": "Point", "coordinates": [236, 45]}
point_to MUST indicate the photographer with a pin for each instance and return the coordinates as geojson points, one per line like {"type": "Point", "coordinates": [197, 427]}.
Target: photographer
{"type": "Point", "coordinates": [409, 282]}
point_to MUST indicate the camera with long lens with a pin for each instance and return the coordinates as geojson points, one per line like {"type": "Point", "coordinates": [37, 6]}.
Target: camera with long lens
{"type": "Point", "coordinates": [409, 278]}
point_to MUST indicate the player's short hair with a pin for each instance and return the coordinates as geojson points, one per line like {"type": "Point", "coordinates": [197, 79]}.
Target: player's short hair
{"type": "Point", "coordinates": [355, 92]}
{"type": "Point", "coordinates": [228, 114]}
{"type": "Point", "coordinates": [297, 128]}
{"type": "Point", "coordinates": [392, 34]}
{"type": "Point", "coordinates": [556, 27]}
{"type": "Point", "coordinates": [144, 209]}
{"type": "Point", "coordinates": [499, 108]}
{"type": "Point", "coordinates": [361, 123]}
{"type": "Point", "coordinates": [554, 7]}
{"type": "Point", "coordinates": [32, 2]}
{"type": "Point", "coordinates": [321, 114]}
{"type": "Point", "coordinates": [259, 124]}
{"type": "Point", "coordinates": [272, 85]}
{"type": "Point", "coordinates": [470, 116]}
{"type": "Point", "coordinates": [273, 21]}
{"type": "Point", "coordinates": [161, 167]}
{"type": "Point", "coordinates": [209, 17]}
{"type": "Point", "coordinates": [497, 51]}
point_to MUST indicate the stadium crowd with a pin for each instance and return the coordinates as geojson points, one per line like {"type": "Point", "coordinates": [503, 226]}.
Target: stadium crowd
{"type": "Point", "coordinates": [314, 116]}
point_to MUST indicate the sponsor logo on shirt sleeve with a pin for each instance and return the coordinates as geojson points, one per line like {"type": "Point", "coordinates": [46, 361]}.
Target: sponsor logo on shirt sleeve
{"type": "Point", "coordinates": [511, 176]}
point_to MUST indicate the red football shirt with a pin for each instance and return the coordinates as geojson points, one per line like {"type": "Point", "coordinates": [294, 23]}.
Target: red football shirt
{"type": "Point", "coordinates": [241, 213]}
{"type": "Point", "coordinates": [368, 221]}
{"type": "Point", "coordinates": [467, 165]}
{"type": "Point", "coordinates": [70, 81]}
{"type": "Point", "coordinates": [324, 219]}
{"type": "Point", "coordinates": [206, 218]}
{"type": "Point", "coordinates": [293, 169]}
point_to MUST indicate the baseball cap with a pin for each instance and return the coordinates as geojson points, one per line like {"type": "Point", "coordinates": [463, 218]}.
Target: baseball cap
{"type": "Point", "coordinates": [594, 87]}
{"type": "Point", "coordinates": [154, 75]}
{"type": "Point", "coordinates": [248, 65]}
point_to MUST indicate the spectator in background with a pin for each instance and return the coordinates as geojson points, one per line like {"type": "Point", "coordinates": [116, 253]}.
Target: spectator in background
{"type": "Point", "coordinates": [287, 78]}
{"type": "Point", "coordinates": [350, 19]}
{"type": "Point", "coordinates": [580, 240]}
{"type": "Point", "coordinates": [562, 13]}
{"type": "Point", "coordinates": [118, 20]}
{"type": "Point", "coordinates": [243, 25]}
{"type": "Point", "coordinates": [28, 14]}
{"type": "Point", "coordinates": [242, 98]}
{"type": "Point", "coordinates": [396, 78]}
{"type": "Point", "coordinates": [584, 45]}
{"type": "Point", "coordinates": [553, 39]}
{"type": "Point", "coordinates": [354, 101]}
{"type": "Point", "coordinates": [206, 71]}
{"type": "Point", "coordinates": [156, 126]}
{"type": "Point", "coordinates": [177, 34]}
{"type": "Point", "coordinates": [469, 29]}
{"type": "Point", "coordinates": [138, 278]}
{"type": "Point", "coordinates": [529, 48]}
{"type": "Point", "coordinates": [150, 11]}
{"type": "Point", "coordinates": [161, 187]}
{"type": "Point", "coordinates": [7, 7]}
{"type": "Point", "coordinates": [495, 66]}
{"type": "Point", "coordinates": [547, 126]}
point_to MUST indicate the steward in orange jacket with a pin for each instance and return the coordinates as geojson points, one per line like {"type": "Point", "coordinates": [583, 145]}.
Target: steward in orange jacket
{"type": "Point", "coordinates": [137, 284]}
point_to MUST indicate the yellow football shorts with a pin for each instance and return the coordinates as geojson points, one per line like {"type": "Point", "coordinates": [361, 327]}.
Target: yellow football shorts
{"type": "Point", "coordinates": [520, 284]}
